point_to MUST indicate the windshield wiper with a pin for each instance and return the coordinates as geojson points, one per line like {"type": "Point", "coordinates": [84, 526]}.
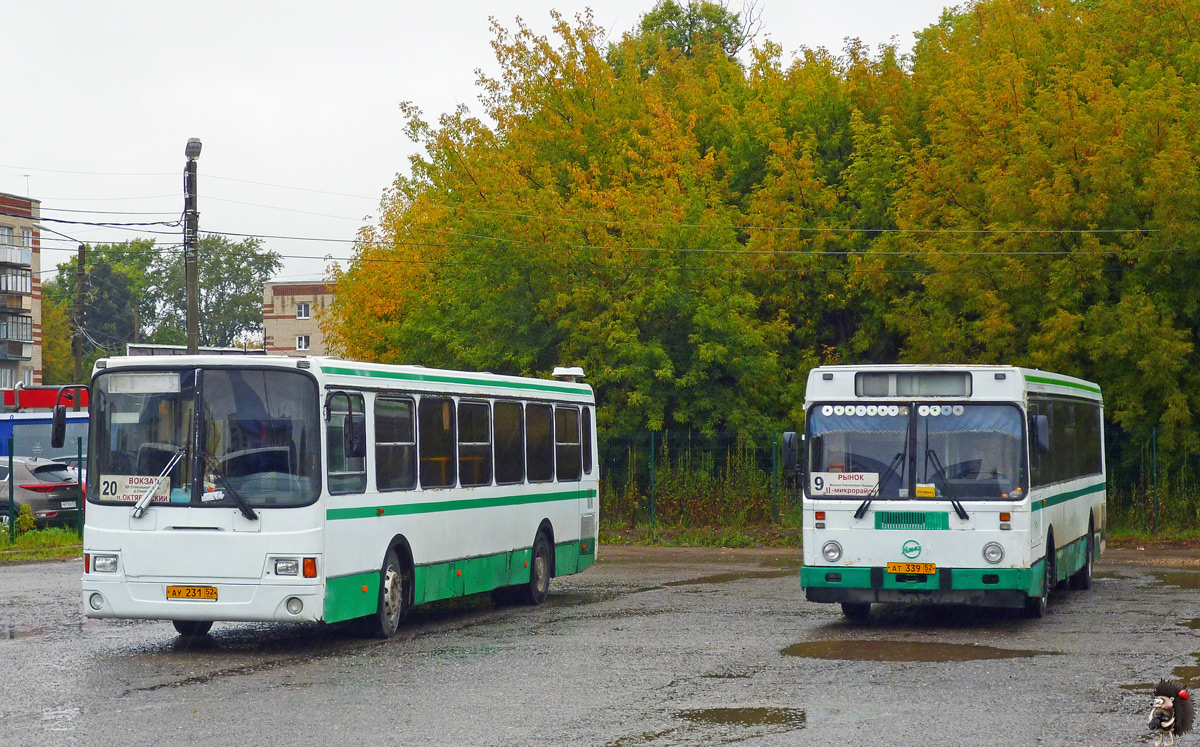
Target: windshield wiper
{"type": "Point", "coordinates": [139, 508]}
{"type": "Point", "coordinates": [937, 463]}
{"type": "Point", "coordinates": [862, 508]}
{"type": "Point", "coordinates": [243, 506]}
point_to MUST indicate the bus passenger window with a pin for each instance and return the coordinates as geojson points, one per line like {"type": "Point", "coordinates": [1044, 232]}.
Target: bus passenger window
{"type": "Point", "coordinates": [435, 422]}
{"type": "Point", "coordinates": [566, 432]}
{"type": "Point", "coordinates": [539, 443]}
{"type": "Point", "coordinates": [508, 424]}
{"type": "Point", "coordinates": [395, 444]}
{"type": "Point", "coordinates": [587, 440]}
{"type": "Point", "coordinates": [474, 444]}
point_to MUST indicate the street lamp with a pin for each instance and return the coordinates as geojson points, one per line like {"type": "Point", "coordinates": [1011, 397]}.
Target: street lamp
{"type": "Point", "coordinates": [191, 220]}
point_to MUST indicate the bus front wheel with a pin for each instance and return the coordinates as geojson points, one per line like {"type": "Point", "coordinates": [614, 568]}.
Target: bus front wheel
{"type": "Point", "coordinates": [393, 598]}
{"type": "Point", "coordinates": [1081, 580]}
{"type": "Point", "coordinates": [538, 587]}
{"type": "Point", "coordinates": [192, 628]}
{"type": "Point", "coordinates": [857, 611]}
{"type": "Point", "coordinates": [1036, 606]}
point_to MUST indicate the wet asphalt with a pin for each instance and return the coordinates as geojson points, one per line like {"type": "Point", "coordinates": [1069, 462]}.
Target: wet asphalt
{"type": "Point", "coordinates": [651, 646]}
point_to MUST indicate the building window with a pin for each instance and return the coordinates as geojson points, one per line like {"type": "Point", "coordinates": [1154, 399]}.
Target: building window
{"type": "Point", "coordinates": [302, 342]}
{"type": "Point", "coordinates": [7, 378]}
{"type": "Point", "coordinates": [6, 235]}
{"type": "Point", "coordinates": [302, 310]}
{"type": "Point", "coordinates": [27, 238]}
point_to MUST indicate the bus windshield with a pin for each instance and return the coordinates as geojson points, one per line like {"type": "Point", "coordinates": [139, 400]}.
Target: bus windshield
{"type": "Point", "coordinates": [951, 452]}
{"type": "Point", "coordinates": [253, 432]}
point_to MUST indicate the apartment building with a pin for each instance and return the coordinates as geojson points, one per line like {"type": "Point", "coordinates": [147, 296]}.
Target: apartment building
{"type": "Point", "coordinates": [290, 312]}
{"type": "Point", "coordinates": [20, 292]}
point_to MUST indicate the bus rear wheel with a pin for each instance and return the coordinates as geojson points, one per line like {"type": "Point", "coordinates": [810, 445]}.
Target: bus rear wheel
{"type": "Point", "coordinates": [538, 587]}
{"type": "Point", "coordinates": [192, 628]}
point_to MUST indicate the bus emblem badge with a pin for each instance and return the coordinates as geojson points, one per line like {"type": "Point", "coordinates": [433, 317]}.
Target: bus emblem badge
{"type": "Point", "coordinates": [911, 549]}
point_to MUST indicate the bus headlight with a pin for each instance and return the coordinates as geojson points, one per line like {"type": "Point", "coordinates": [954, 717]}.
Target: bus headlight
{"type": "Point", "coordinates": [831, 550]}
{"type": "Point", "coordinates": [104, 563]}
{"type": "Point", "coordinates": [993, 552]}
{"type": "Point", "coordinates": [287, 567]}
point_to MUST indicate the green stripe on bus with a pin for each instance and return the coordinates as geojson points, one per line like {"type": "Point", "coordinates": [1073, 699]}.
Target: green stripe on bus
{"type": "Point", "coordinates": [961, 579]}
{"type": "Point", "coordinates": [1062, 382]}
{"type": "Point", "coordinates": [1054, 500]}
{"type": "Point", "coordinates": [357, 594]}
{"type": "Point", "coordinates": [442, 379]}
{"type": "Point", "coordinates": [402, 509]}
{"type": "Point", "coordinates": [348, 597]}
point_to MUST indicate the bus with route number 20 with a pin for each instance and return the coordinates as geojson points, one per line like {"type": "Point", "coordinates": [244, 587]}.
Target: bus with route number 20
{"type": "Point", "coordinates": [973, 484]}
{"type": "Point", "coordinates": [264, 488]}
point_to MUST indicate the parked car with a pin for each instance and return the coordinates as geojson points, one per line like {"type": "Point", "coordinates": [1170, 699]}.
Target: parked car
{"type": "Point", "coordinates": [49, 487]}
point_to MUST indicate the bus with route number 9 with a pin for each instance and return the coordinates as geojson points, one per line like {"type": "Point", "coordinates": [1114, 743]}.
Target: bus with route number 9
{"type": "Point", "coordinates": [978, 485]}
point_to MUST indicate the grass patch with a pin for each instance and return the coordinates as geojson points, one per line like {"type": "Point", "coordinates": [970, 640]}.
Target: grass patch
{"type": "Point", "coordinates": [40, 544]}
{"type": "Point", "coordinates": [751, 535]}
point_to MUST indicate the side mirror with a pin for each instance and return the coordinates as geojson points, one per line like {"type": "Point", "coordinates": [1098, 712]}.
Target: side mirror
{"type": "Point", "coordinates": [58, 427]}
{"type": "Point", "coordinates": [791, 452]}
{"type": "Point", "coordinates": [1041, 433]}
{"type": "Point", "coordinates": [354, 435]}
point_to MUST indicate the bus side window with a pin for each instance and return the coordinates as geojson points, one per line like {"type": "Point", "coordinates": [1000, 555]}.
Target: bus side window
{"type": "Point", "coordinates": [474, 444]}
{"type": "Point", "coordinates": [539, 441]}
{"type": "Point", "coordinates": [566, 442]}
{"type": "Point", "coordinates": [395, 444]}
{"type": "Point", "coordinates": [346, 474]}
{"type": "Point", "coordinates": [587, 440]}
{"type": "Point", "coordinates": [435, 428]}
{"type": "Point", "coordinates": [508, 424]}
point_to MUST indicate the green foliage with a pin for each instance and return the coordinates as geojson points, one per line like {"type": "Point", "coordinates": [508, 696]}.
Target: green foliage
{"type": "Point", "coordinates": [39, 544]}
{"type": "Point", "coordinates": [25, 520]}
{"type": "Point", "coordinates": [698, 232]}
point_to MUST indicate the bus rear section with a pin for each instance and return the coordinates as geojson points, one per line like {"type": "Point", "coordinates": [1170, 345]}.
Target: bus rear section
{"type": "Point", "coordinates": [918, 490]}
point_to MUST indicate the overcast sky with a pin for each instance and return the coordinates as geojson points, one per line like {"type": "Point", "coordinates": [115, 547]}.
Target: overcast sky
{"type": "Point", "coordinates": [296, 103]}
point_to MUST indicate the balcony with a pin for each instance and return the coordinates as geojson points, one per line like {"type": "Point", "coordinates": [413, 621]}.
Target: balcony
{"type": "Point", "coordinates": [15, 255]}
{"type": "Point", "coordinates": [15, 351]}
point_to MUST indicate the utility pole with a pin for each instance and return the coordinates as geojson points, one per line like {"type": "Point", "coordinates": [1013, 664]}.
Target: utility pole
{"type": "Point", "coordinates": [191, 229]}
{"type": "Point", "coordinates": [77, 339]}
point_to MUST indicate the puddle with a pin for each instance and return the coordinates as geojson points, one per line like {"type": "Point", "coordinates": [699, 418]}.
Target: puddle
{"type": "Point", "coordinates": [13, 633]}
{"type": "Point", "coordinates": [903, 651]}
{"type": "Point", "coordinates": [1188, 676]}
{"type": "Point", "coordinates": [1106, 575]}
{"type": "Point", "coordinates": [1180, 579]}
{"type": "Point", "coordinates": [727, 676]}
{"type": "Point", "coordinates": [793, 563]}
{"type": "Point", "coordinates": [724, 578]}
{"type": "Point", "coordinates": [790, 717]}
{"type": "Point", "coordinates": [1194, 623]}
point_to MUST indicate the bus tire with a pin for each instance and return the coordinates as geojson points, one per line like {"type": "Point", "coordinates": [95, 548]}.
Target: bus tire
{"type": "Point", "coordinates": [538, 587]}
{"type": "Point", "coordinates": [192, 628]}
{"type": "Point", "coordinates": [1035, 607]}
{"type": "Point", "coordinates": [1081, 580]}
{"type": "Point", "coordinates": [856, 611]}
{"type": "Point", "coordinates": [394, 585]}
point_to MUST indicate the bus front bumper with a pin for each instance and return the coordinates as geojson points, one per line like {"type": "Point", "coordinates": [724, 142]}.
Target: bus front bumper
{"type": "Point", "coordinates": [988, 587]}
{"type": "Point", "coordinates": [235, 602]}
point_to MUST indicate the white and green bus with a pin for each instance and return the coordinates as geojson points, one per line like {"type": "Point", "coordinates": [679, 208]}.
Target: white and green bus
{"type": "Point", "coordinates": [263, 488]}
{"type": "Point", "coordinates": [981, 485]}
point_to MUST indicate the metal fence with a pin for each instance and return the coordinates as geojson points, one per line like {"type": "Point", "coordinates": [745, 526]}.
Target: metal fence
{"type": "Point", "coordinates": [691, 479]}
{"type": "Point", "coordinates": [726, 480]}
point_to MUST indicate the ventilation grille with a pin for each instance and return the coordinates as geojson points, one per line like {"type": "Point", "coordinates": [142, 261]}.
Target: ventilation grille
{"type": "Point", "coordinates": [911, 520]}
{"type": "Point", "coordinates": [587, 526]}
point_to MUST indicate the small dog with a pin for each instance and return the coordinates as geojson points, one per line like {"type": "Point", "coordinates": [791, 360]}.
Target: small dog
{"type": "Point", "coordinates": [1172, 713]}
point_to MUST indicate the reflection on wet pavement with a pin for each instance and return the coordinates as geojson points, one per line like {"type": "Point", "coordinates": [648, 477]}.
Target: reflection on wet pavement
{"type": "Point", "coordinates": [791, 717]}
{"type": "Point", "coordinates": [1181, 579]}
{"type": "Point", "coordinates": [903, 651]}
